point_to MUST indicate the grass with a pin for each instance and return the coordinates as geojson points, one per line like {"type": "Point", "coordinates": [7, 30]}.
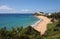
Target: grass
{"type": "Point", "coordinates": [51, 25]}
{"type": "Point", "coordinates": [51, 33]}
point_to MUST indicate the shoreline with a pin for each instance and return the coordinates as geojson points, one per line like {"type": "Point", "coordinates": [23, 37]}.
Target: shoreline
{"type": "Point", "coordinates": [33, 25]}
{"type": "Point", "coordinates": [41, 25]}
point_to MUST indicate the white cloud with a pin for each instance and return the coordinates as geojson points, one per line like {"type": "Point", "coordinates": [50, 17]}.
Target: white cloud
{"type": "Point", "coordinates": [4, 7]}
{"type": "Point", "coordinates": [26, 10]}
{"type": "Point", "coordinates": [7, 9]}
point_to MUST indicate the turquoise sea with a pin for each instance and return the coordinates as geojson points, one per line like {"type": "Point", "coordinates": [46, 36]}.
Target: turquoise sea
{"type": "Point", "coordinates": [17, 20]}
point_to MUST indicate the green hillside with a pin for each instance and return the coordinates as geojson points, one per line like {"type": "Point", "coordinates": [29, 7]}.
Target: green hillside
{"type": "Point", "coordinates": [52, 32]}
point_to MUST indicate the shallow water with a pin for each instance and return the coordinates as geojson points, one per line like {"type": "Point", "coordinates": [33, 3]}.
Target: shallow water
{"type": "Point", "coordinates": [17, 20]}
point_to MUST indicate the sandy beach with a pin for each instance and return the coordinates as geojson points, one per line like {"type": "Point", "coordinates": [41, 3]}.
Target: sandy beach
{"type": "Point", "coordinates": [41, 26]}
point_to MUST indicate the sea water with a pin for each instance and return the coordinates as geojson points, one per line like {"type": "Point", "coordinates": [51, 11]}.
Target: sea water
{"type": "Point", "coordinates": [17, 20]}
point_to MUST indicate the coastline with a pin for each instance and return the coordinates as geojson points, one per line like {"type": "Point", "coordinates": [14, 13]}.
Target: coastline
{"type": "Point", "coordinates": [33, 25]}
{"type": "Point", "coordinates": [41, 25]}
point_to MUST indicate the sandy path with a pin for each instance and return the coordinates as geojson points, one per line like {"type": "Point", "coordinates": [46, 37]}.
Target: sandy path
{"type": "Point", "coordinates": [42, 26]}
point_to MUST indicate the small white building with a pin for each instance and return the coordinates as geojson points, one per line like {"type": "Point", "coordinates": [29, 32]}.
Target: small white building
{"type": "Point", "coordinates": [49, 14]}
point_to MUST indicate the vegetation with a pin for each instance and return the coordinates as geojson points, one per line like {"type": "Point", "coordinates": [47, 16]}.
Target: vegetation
{"type": "Point", "coordinates": [19, 33]}
{"type": "Point", "coordinates": [37, 14]}
{"type": "Point", "coordinates": [55, 15]}
{"type": "Point", "coordinates": [53, 31]}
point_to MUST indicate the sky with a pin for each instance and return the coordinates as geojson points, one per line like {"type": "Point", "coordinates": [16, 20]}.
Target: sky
{"type": "Point", "coordinates": [29, 6]}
